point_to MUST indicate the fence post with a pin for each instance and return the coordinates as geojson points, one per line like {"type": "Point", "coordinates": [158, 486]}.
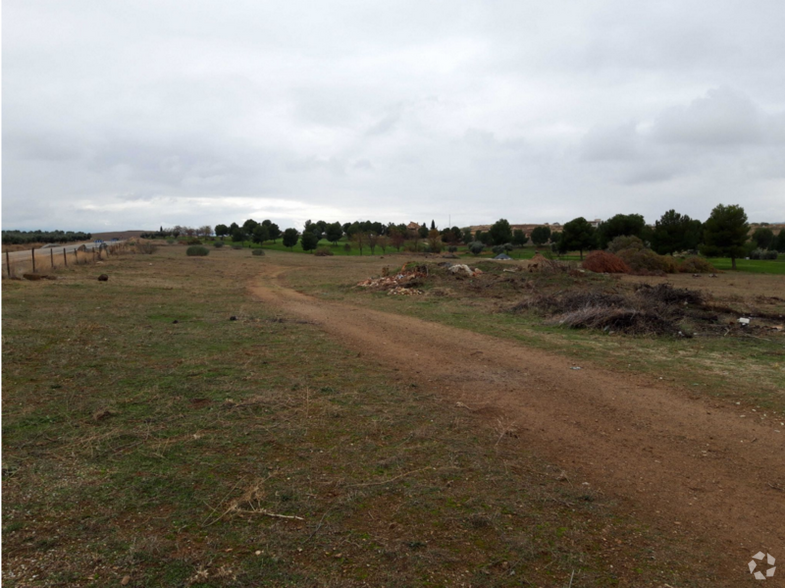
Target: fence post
{"type": "Point", "coordinates": [8, 263]}
{"type": "Point", "coordinates": [65, 258]}
{"type": "Point", "coordinates": [33, 252]}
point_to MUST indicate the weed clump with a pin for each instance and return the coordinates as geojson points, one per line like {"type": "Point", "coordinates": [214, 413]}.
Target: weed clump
{"type": "Point", "coordinates": [647, 262]}
{"type": "Point", "coordinates": [696, 265]}
{"type": "Point", "coordinates": [603, 262]}
{"type": "Point", "coordinates": [322, 252]}
{"type": "Point", "coordinates": [218, 244]}
{"type": "Point", "coordinates": [145, 247]}
{"type": "Point", "coordinates": [257, 252]}
{"type": "Point", "coordinates": [197, 251]}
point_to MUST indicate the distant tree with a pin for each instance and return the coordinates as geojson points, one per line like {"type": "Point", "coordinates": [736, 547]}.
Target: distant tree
{"type": "Point", "coordinates": [519, 238]}
{"type": "Point", "coordinates": [205, 230]}
{"type": "Point", "coordinates": [238, 235]}
{"type": "Point", "coordinates": [578, 234]}
{"type": "Point", "coordinates": [290, 237]}
{"type": "Point", "coordinates": [476, 247]}
{"type": "Point", "coordinates": [397, 237]}
{"type": "Point", "coordinates": [221, 231]}
{"type": "Point", "coordinates": [334, 232]}
{"type": "Point", "coordinates": [540, 235]}
{"type": "Point", "coordinates": [621, 224]}
{"type": "Point", "coordinates": [763, 237]}
{"type": "Point", "coordinates": [433, 225]}
{"type": "Point", "coordinates": [373, 241]}
{"type": "Point", "coordinates": [501, 232]}
{"type": "Point", "coordinates": [467, 235]}
{"type": "Point", "coordinates": [249, 226]}
{"type": "Point", "coordinates": [384, 242]}
{"type": "Point", "coordinates": [434, 241]}
{"type": "Point", "coordinates": [309, 241]}
{"type": "Point", "coordinates": [779, 244]}
{"type": "Point", "coordinates": [274, 231]}
{"type": "Point", "coordinates": [360, 239]}
{"type": "Point", "coordinates": [725, 232]}
{"type": "Point", "coordinates": [423, 231]}
{"type": "Point", "coordinates": [260, 234]}
{"type": "Point", "coordinates": [675, 232]}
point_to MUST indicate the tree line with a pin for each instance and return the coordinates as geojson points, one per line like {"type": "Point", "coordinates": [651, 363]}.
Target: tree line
{"type": "Point", "coordinates": [724, 234]}
{"type": "Point", "coordinates": [24, 237]}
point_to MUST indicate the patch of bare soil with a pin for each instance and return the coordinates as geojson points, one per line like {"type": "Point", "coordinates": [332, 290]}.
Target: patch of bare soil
{"type": "Point", "coordinates": [705, 472]}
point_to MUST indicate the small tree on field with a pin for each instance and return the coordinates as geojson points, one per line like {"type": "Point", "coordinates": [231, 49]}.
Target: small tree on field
{"type": "Point", "coordinates": [476, 247]}
{"type": "Point", "coordinates": [373, 241]}
{"type": "Point", "coordinates": [360, 239]}
{"type": "Point", "coordinates": [779, 244]}
{"type": "Point", "coordinates": [501, 232]}
{"type": "Point", "coordinates": [434, 241]}
{"type": "Point", "coordinates": [540, 235]}
{"type": "Point", "coordinates": [675, 232]}
{"type": "Point", "coordinates": [309, 241]}
{"type": "Point", "coordinates": [384, 242]}
{"type": "Point", "coordinates": [290, 237]}
{"type": "Point", "coordinates": [260, 234]}
{"type": "Point", "coordinates": [334, 232]}
{"type": "Point", "coordinates": [221, 231]}
{"type": "Point", "coordinates": [725, 232]}
{"type": "Point", "coordinates": [763, 237]}
{"type": "Point", "coordinates": [519, 238]}
{"type": "Point", "coordinates": [578, 234]}
{"type": "Point", "coordinates": [397, 238]}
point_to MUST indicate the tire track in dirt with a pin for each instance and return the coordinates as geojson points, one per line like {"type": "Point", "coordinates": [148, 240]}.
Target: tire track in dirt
{"type": "Point", "coordinates": [682, 465]}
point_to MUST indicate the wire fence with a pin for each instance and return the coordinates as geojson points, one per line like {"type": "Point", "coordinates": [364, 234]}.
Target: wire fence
{"type": "Point", "coordinates": [38, 262]}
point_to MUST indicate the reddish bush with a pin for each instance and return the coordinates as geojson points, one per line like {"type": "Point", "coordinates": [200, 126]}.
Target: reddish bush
{"type": "Point", "coordinates": [603, 262]}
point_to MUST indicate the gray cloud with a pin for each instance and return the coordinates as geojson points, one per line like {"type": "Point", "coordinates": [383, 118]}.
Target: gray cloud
{"type": "Point", "coordinates": [134, 115]}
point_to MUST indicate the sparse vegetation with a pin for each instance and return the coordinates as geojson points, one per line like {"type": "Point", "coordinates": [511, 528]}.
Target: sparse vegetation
{"type": "Point", "coordinates": [197, 251]}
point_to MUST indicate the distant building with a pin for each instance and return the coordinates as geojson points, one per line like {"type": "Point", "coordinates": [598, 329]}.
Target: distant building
{"type": "Point", "coordinates": [412, 228]}
{"type": "Point", "coordinates": [596, 222]}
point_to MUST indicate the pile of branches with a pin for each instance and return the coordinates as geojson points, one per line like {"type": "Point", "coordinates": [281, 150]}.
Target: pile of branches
{"type": "Point", "coordinates": [648, 310]}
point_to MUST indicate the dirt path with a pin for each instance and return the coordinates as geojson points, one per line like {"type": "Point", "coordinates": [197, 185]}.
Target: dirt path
{"type": "Point", "coordinates": [685, 466]}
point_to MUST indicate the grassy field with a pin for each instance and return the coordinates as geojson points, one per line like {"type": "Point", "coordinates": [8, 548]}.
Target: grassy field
{"type": "Point", "coordinates": [151, 440]}
{"type": "Point", "coordinates": [776, 267]}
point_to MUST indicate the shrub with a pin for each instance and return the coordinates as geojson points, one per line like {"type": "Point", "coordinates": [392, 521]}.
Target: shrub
{"type": "Point", "coordinates": [696, 265]}
{"type": "Point", "coordinates": [603, 262]}
{"type": "Point", "coordinates": [322, 252]}
{"type": "Point", "coordinates": [623, 242]}
{"type": "Point", "coordinates": [193, 241]}
{"type": "Point", "coordinates": [170, 241]}
{"type": "Point", "coordinates": [197, 250]}
{"type": "Point", "coordinates": [646, 261]}
{"type": "Point", "coordinates": [763, 254]}
{"type": "Point", "coordinates": [476, 247]}
{"type": "Point", "coordinates": [218, 244]}
{"type": "Point", "coordinates": [347, 247]}
{"type": "Point", "coordinates": [257, 252]}
{"type": "Point", "coordinates": [237, 247]}
{"type": "Point", "coordinates": [145, 247]}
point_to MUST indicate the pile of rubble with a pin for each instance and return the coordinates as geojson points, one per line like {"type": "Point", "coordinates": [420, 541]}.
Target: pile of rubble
{"type": "Point", "coordinates": [402, 283]}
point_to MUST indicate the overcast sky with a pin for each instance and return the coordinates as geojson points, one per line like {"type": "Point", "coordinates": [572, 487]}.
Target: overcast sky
{"type": "Point", "coordinates": [136, 114]}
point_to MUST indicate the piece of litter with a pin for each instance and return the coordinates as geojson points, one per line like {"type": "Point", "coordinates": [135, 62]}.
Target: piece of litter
{"type": "Point", "coordinates": [744, 321]}
{"type": "Point", "coordinates": [576, 367]}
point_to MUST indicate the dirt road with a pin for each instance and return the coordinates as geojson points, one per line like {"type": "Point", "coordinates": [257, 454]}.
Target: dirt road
{"type": "Point", "coordinates": [687, 466]}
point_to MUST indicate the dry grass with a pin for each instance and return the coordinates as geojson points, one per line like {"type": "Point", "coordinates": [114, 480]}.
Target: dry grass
{"type": "Point", "coordinates": [148, 436]}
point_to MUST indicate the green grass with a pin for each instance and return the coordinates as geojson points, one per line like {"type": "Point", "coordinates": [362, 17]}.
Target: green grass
{"type": "Point", "coordinates": [138, 446]}
{"type": "Point", "coordinates": [758, 266]}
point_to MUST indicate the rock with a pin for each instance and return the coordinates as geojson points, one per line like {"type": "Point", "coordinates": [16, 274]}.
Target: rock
{"type": "Point", "coordinates": [232, 318]}
{"type": "Point", "coordinates": [103, 278]}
